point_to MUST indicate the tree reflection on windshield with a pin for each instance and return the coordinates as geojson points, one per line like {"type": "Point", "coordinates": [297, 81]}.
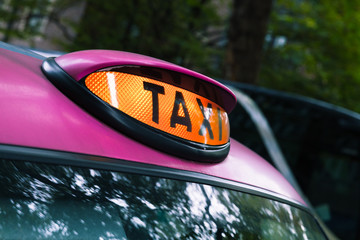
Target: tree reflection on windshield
{"type": "Point", "coordinates": [50, 201]}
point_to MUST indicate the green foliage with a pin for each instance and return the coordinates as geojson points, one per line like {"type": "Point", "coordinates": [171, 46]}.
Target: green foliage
{"type": "Point", "coordinates": [170, 30]}
{"type": "Point", "coordinates": [22, 18]}
{"type": "Point", "coordinates": [313, 48]}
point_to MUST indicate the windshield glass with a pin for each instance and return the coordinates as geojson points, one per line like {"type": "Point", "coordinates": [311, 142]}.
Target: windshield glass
{"type": "Point", "coordinates": [51, 201]}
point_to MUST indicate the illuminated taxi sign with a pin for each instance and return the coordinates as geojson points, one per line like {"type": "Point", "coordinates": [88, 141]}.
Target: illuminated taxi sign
{"type": "Point", "coordinates": [178, 112]}
{"type": "Point", "coordinates": [168, 108]}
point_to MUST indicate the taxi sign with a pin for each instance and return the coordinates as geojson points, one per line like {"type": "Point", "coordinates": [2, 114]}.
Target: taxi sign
{"type": "Point", "coordinates": [171, 111]}
{"type": "Point", "coordinates": [169, 108]}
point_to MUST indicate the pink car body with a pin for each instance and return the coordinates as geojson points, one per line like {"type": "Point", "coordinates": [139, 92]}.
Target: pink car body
{"type": "Point", "coordinates": [35, 114]}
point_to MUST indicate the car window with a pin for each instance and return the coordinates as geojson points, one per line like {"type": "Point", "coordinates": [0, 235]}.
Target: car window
{"type": "Point", "coordinates": [40, 201]}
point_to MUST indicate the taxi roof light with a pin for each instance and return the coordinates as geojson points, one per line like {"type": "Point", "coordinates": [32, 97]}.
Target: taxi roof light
{"type": "Point", "coordinates": [172, 111]}
{"type": "Point", "coordinates": [168, 108]}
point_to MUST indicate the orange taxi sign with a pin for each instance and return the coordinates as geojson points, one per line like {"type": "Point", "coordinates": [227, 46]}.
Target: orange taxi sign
{"type": "Point", "coordinates": [163, 106]}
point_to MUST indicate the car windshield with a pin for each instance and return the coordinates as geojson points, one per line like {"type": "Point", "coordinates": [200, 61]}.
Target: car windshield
{"type": "Point", "coordinates": [52, 201]}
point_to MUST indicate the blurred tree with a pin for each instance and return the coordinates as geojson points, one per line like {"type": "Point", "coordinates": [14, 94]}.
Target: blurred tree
{"type": "Point", "coordinates": [248, 27]}
{"type": "Point", "coordinates": [61, 15]}
{"type": "Point", "coordinates": [177, 31]}
{"type": "Point", "coordinates": [313, 48]}
{"type": "Point", "coordinates": [22, 18]}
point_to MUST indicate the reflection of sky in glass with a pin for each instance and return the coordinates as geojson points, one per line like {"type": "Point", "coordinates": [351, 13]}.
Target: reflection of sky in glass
{"type": "Point", "coordinates": [197, 199]}
{"type": "Point", "coordinates": [45, 201]}
{"type": "Point", "coordinates": [137, 222]}
{"type": "Point", "coordinates": [119, 202]}
{"type": "Point", "coordinates": [54, 227]}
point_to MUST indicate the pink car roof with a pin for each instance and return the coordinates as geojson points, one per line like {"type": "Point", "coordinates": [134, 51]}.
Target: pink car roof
{"type": "Point", "coordinates": [36, 114]}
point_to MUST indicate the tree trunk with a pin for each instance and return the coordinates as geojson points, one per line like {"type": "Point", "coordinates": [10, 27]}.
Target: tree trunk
{"type": "Point", "coordinates": [248, 26]}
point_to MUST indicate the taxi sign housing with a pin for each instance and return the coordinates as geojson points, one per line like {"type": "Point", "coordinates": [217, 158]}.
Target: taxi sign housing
{"type": "Point", "coordinates": [160, 104]}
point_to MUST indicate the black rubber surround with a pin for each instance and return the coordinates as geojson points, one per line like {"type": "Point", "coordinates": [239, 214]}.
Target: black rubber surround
{"type": "Point", "coordinates": [128, 125]}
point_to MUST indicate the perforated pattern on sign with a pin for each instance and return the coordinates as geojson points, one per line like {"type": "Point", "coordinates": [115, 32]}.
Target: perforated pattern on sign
{"type": "Point", "coordinates": [163, 106]}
